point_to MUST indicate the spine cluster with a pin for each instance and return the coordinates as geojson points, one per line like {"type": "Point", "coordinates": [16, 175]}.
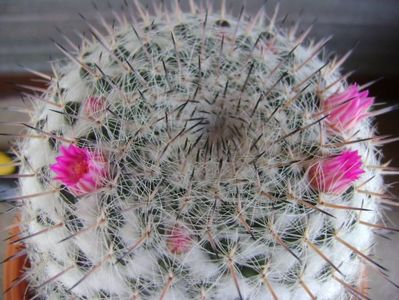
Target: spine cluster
{"type": "Point", "coordinates": [200, 156]}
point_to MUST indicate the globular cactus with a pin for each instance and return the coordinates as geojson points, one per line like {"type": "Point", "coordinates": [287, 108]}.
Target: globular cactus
{"type": "Point", "coordinates": [200, 156]}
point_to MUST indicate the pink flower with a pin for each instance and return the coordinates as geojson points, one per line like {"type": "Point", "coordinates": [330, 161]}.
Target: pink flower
{"type": "Point", "coordinates": [347, 109]}
{"type": "Point", "coordinates": [94, 106]}
{"type": "Point", "coordinates": [336, 174]}
{"type": "Point", "coordinates": [81, 170]}
{"type": "Point", "coordinates": [179, 240]}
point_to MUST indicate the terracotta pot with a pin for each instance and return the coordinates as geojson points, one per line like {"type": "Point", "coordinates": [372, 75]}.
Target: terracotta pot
{"type": "Point", "coordinates": [13, 269]}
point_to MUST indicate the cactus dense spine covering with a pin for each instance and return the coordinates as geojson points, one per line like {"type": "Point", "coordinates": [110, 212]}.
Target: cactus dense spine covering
{"type": "Point", "coordinates": [208, 126]}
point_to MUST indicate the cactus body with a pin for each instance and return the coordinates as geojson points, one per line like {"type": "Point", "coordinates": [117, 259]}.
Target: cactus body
{"type": "Point", "coordinates": [200, 135]}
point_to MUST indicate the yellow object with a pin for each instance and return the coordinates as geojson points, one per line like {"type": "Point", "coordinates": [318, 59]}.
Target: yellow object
{"type": "Point", "coordinates": [6, 166]}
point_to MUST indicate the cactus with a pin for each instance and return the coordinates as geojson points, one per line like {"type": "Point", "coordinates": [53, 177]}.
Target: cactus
{"type": "Point", "coordinates": [200, 156]}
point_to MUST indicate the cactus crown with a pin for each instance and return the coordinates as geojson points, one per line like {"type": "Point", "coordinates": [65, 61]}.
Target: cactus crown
{"type": "Point", "coordinates": [194, 156]}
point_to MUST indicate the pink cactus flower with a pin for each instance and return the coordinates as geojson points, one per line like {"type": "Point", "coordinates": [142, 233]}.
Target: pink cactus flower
{"type": "Point", "coordinates": [347, 109]}
{"type": "Point", "coordinates": [94, 106]}
{"type": "Point", "coordinates": [79, 169]}
{"type": "Point", "coordinates": [179, 240]}
{"type": "Point", "coordinates": [336, 174]}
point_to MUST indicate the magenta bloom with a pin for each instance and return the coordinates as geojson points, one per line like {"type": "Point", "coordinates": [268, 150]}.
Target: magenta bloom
{"type": "Point", "coordinates": [79, 169]}
{"type": "Point", "coordinates": [336, 174]}
{"type": "Point", "coordinates": [94, 106]}
{"type": "Point", "coordinates": [179, 240]}
{"type": "Point", "coordinates": [347, 109]}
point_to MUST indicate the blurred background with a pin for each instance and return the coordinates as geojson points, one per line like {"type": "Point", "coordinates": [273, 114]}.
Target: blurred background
{"type": "Point", "coordinates": [370, 27]}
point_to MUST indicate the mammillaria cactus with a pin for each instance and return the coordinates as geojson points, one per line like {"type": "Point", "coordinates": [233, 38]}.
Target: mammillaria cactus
{"type": "Point", "coordinates": [200, 156]}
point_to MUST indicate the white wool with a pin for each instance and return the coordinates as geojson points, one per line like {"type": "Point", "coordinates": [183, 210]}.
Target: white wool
{"type": "Point", "coordinates": [228, 289]}
{"type": "Point", "coordinates": [201, 267]}
{"type": "Point", "coordinates": [330, 290]}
